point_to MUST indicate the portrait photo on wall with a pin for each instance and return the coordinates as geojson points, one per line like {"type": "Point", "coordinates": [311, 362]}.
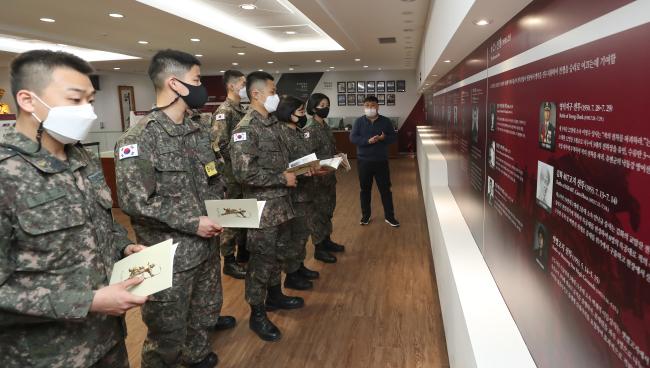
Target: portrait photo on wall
{"type": "Point", "coordinates": [475, 123]}
{"type": "Point", "coordinates": [360, 99]}
{"type": "Point", "coordinates": [455, 115]}
{"type": "Point", "coordinates": [370, 87]}
{"type": "Point", "coordinates": [361, 87]}
{"type": "Point", "coordinates": [127, 104]}
{"type": "Point", "coordinates": [547, 126]}
{"type": "Point", "coordinates": [382, 99]}
{"type": "Point", "coordinates": [541, 243]}
{"type": "Point", "coordinates": [352, 100]}
{"type": "Point", "coordinates": [492, 154]}
{"type": "Point", "coordinates": [390, 99]}
{"type": "Point", "coordinates": [390, 86]}
{"type": "Point", "coordinates": [544, 196]}
{"type": "Point", "coordinates": [381, 86]}
{"type": "Point", "coordinates": [352, 87]}
{"type": "Point", "coordinates": [340, 87]}
{"type": "Point", "coordinates": [401, 86]}
{"type": "Point", "coordinates": [449, 115]}
{"type": "Point", "coordinates": [490, 191]}
{"type": "Point", "coordinates": [492, 121]}
{"type": "Point", "coordinates": [342, 100]}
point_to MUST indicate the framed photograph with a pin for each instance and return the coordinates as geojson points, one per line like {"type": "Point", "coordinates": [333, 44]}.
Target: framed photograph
{"type": "Point", "coordinates": [126, 97]}
{"type": "Point", "coordinates": [390, 99]}
{"type": "Point", "coordinates": [340, 87]}
{"type": "Point", "coordinates": [381, 86]}
{"type": "Point", "coordinates": [360, 99]}
{"type": "Point", "coordinates": [352, 100]}
{"type": "Point", "coordinates": [370, 87]}
{"type": "Point", "coordinates": [390, 86]}
{"type": "Point", "coordinates": [361, 87]}
{"type": "Point", "coordinates": [341, 99]}
{"type": "Point", "coordinates": [401, 86]}
{"type": "Point", "coordinates": [352, 87]}
{"type": "Point", "coordinates": [382, 99]}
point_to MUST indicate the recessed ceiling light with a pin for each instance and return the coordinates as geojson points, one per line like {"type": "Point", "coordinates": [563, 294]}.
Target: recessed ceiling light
{"type": "Point", "coordinates": [290, 68]}
{"type": "Point", "coordinates": [143, 42]}
{"type": "Point", "coordinates": [248, 6]}
{"type": "Point", "coordinates": [446, 61]}
{"type": "Point", "coordinates": [235, 64]}
{"type": "Point", "coordinates": [260, 70]}
{"type": "Point", "coordinates": [482, 22]}
{"type": "Point", "coordinates": [115, 15]}
{"type": "Point", "coordinates": [116, 68]}
{"type": "Point", "coordinates": [318, 60]}
{"type": "Point", "coordinates": [222, 71]}
{"type": "Point", "coordinates": [195, 39]}
{"type": "Point", "coordinates": [331, 67]}
{"type": "Point", "coordinates": [290, 32]}
{"type": "Point", "coordinates": [198, 55]}
{"type": "Point", "coordinates": [435, 75]}
{"type": "Point", "coordinates": [365, 66]}
{"type": "Point", "coordinates": [357, 59]}
{"type": "Point", "coordinates": [47, 20]}
{"type": "Point", "coordinates": [241, 53]}
{"type": "Point", "coordinates": [269, 62]}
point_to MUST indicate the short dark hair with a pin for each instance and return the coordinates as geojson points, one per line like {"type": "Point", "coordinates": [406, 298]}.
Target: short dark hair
{"type": "Point", "coordinates": [371, 98]}
{"type": "Point", "coordinates": [170, 62]}
{"type": "Point", "coordinates": [255, 77]}
{"type": "Point", "coordinates": [231, 74]}
{"type": "Point", "coordinates": [288, 104]}
{"type": "Point", "coordinates": [314, 100]}
{"type": "Point", "coordinates": [32, 70]}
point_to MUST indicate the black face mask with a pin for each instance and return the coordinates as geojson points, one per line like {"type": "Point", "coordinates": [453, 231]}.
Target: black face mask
{"type": "Point", "coordinates": [197, 97]}
{"type": "Point", "coordinates": [302, 120]}
{"type": "Point", "coordinates": [322, 112]}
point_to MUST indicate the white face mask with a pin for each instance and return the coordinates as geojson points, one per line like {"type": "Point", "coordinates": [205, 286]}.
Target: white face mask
{"type": "Point", "coordinates": [271, 103]}
{"type": "Point", "coordinates": [68, 124]}
{"type": "Point", "coordinates": [242, 93]}
{"type": "Point", "coordinates": [371, 113]}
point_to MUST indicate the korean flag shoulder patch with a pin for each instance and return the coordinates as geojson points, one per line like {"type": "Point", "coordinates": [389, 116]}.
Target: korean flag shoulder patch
{"type": "Point", "coordinates": [127, 151]}
{"type": "Point", "coordinates": [238, 137]}
{"type": "Point", "coordinates": [220, 117]}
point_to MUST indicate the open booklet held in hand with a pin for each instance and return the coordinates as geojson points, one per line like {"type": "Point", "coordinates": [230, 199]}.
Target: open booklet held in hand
{"type": "Point", "coordinates": [236, 213]}
{"type": "Point", "coordinates": [304, 164]}
{"type": "Point", "coordinates": [155, 264]}
{"type": "Point", "coordinates": [334, 163]}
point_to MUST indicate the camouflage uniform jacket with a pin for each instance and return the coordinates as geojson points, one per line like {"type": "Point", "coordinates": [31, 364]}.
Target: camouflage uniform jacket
{"type": "Point", "coordinates": [323, 143]}
{"type": "Point", "coordinates": [58, 243]}
{"type": "Point", "coordinates": [296, 141]}
{"type": "Point", "coordinates": [224, 121]}
{"type": "Point", "coordinates": [163, 186]}
{"type": "Point", "coordinates": [259, 159]}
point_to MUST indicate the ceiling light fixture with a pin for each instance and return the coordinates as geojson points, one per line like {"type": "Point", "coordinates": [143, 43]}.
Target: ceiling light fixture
{"type": "Point", "coordinates": [115, 15]}
{"type": "Point", "coordinates": [143, 42]}
{"type": "Point", "coordinates": [260, 70]}
{"type": "Point", "coordinates": [365, 66]}
{"type": "Point", "coordinates": [195, 39]}
{"type": "Point", "coordinates": [331, 67]}
{"type": "Point", "coordinates": [482, 22]}
{"type": "Point", "coordinates": [116, 68]}
{"type": "Point", "coordinates": [290, 32]}
{"type": "Point", "coordinates": [241, 53]}
{"type": "Point", "coordinates": [222, 71]}
{"type": "Point", "coordinates": [290, 68]}
{"type": "Point", "coordinates": [198, 55]}
{"type": "Point", "coordinates": [248, 6]}
{"type": "Point", "coordinates": [47, 20]}
{"type": "Point", "coordinates": [357, 59]}
{"type": "Point", "coordinates": [318, 60]}
{"type": "Point", "coordinates": [446, 61]}
{"type": "Point", "coordinates": [269, 62]}
{"type": "Point", "coordinates": [235, 64]}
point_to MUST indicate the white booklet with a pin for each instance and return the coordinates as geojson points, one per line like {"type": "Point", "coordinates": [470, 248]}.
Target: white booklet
{"type": "Point", "coordinates": [155, 264]}
{"type": "Point", "coordinates": [236, 213]}
{"type": "Point", "coordinates": [331, 163]}
{"type": "Point", "coordinates": [303, 164]}
{"type": "Point", "coordinates": [344, 161]}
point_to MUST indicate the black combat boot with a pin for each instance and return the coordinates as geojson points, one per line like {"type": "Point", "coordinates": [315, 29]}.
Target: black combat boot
{"type": "Point", "coordinates": [323, 255]}
{"type": "Point", "coordinates": [295, 281]}
{"type": "Point", "coordinates": [232, 268]}
{"type": "Point", "coordinates": [225, 323]}
{"type": "Point", "coordinates": [242, 253]}
{"type": "Point", "coordinates": [261, 325]}
{"type": "Point", "coordinates": [210, 361]}
{"type": "Point", "coordinates": [307, 273]}
{"type": "Point", "coordinates": [331, 246]}
{"type": "Point", "coordinates": [275, 299]}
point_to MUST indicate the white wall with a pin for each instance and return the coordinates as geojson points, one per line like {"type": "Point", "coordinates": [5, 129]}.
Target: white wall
{"type": "Point", "coordinates": [404, 101]}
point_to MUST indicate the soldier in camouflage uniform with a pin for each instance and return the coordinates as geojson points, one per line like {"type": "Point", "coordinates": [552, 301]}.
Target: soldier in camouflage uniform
{"type": "Point", "coordinates": [224, 120]}
{"type": "Point", "coordinates": [259, 162]}
{"type": "Point", "coordinates": [323, 143]}
{"type": "Point", "coordinates": [291, 114]}
{"type": "Point", "coordinates": [58, 239]}
{"type": "Point", "coordinates": [165, 170]}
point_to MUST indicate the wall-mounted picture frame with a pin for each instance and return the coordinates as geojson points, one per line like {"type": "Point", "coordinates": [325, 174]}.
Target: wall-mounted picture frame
{"type": "Point", "coordinates": [352, 100]}
{"type": "Point", "coordinates": [390, 86]}
{"type": "Point", "coordinates": [126, 99]}
{"type": "Point", "coordinates": [382, 99]}
{"type": "Point", "coordinates": [381, 86]}
{"type": "Point", "coordinates": [361, 87]}
{"type": "Point", "coordinates": [390, 99]}
{"type": "Point", "coordinates": [340, 87]}
{"type": "Point", "coordinates": [360, 99]}
{"type": "Point", "coordinates": [341, 99]}
{"type": "Point", "coordinates": [370, 87]}
{"type": "Point", "coordinates": [352, 87]}
{"type": "Point", "coordinates": [401, 86]}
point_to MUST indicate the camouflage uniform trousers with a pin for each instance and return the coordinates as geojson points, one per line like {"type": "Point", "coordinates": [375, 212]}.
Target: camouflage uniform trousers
{"type": "Point", "coordinates": [264, 266]}
{"type": "Point", "coordinates": [294, 254]}
{"type": "Point", "coordinates": [180, 318]}
{"type": "Point", "coordinates": [231, 236]}
{"type": "Point", "coordinates": [320, 220]}
{"type": "Point", "coordinates": [115, 358]}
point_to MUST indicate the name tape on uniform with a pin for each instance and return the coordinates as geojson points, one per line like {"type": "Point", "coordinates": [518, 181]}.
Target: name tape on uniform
{"type": "Point", "coordinates": [129, 151]}
{"type": "Point", "coordinates": [220, 117]}
{"type": "Point", "coordinates": [238, 137]}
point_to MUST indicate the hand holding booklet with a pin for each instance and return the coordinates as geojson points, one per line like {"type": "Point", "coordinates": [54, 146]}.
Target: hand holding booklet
{"type": "Point", "coordinates": [304, 164]}
{"type": "Point", "coordinates": [155, 264]}
{"type": "Point", "coordinates": [236, 213]}
{"type": "Point", "coordinates": [335, 162]}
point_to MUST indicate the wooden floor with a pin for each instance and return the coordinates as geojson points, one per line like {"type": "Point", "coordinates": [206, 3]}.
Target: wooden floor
{"type": "Point", "coordinates": [377, 307]}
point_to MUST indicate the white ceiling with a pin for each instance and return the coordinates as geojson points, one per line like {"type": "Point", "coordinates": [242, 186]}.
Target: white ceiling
{"type": "Point", "coordinates": [354, 24]}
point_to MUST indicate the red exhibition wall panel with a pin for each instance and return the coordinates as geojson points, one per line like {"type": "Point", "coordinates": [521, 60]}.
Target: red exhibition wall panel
{"type": "Point", "coordinates": [548, 148]}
